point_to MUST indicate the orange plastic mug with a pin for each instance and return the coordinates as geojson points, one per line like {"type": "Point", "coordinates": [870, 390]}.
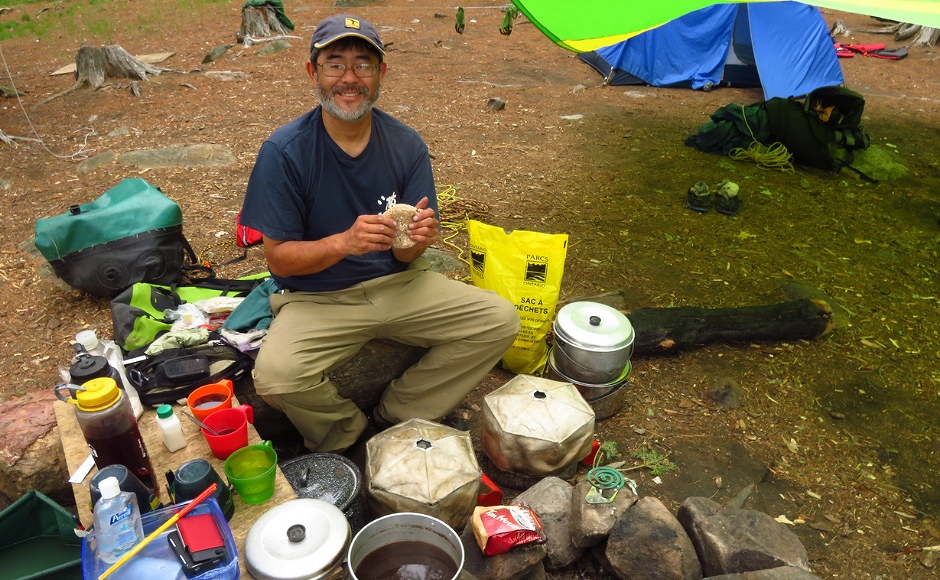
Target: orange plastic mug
{"type": "Point", "coordinates": [208, 399]}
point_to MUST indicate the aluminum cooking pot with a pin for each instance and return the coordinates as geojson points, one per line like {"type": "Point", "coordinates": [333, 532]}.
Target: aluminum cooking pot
{"type": "Point", "coordinates": [593, 342]}
{"type": "Point", "coordinates": [301, 539]}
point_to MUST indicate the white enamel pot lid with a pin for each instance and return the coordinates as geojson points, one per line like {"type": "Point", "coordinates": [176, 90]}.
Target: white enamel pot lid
{"type": "Point", "coordinates": [301, 539]}
{"type": "Point", "coordinates": [593, 326]}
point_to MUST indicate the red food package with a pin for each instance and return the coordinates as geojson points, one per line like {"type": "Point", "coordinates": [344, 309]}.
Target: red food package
{"type": "Point", "coordinates": [499, 528]}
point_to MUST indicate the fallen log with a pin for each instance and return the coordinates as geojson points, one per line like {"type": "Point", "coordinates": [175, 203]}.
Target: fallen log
{"type": "Point", "coordinates": [669, 330]}
{"type": "Point", "coordinates": [657, 331]}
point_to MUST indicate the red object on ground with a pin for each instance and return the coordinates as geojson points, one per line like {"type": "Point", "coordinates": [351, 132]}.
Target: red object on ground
{"type": "Point", "coordinates": [490, 494]}
{"type": "Point", "coordinates": [589, 460]}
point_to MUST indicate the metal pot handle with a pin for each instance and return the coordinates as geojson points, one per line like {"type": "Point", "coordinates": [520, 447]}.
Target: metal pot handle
{"type": "Point", "coordinates": [574, 362]}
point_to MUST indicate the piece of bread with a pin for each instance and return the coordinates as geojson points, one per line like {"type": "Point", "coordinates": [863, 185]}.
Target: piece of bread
{"type": "Point", "coordinates": [403, 214]}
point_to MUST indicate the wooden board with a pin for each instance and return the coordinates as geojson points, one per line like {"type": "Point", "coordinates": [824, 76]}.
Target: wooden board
{"type": "Point", "coordinates": [144, 58]}
{"type": "Point", "coordinates": [76, 451]}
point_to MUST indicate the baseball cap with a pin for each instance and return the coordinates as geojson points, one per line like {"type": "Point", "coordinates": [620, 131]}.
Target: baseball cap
{"type": "Point", "coordinates": [342, 26]}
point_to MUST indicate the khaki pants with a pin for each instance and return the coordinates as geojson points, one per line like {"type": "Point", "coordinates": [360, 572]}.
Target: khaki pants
{"type": "Point", "coordinates": [466, 329]}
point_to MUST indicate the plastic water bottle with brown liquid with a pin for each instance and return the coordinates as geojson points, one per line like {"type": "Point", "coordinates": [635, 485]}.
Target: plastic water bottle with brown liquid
{"type": "Point", "coordinates": [108, 424]}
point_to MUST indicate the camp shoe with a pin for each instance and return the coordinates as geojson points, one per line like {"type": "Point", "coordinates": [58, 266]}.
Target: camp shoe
{"type": "Point", "coordinates": [699, 197]}
{"type": "Point", "coordinates": [726, 198]}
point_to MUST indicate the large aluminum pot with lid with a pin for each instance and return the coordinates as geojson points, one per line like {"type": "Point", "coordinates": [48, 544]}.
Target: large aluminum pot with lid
{"type": "Point", "coordinates": [301, 539]}
{"type": "Point", "coordinates": [593, 342]}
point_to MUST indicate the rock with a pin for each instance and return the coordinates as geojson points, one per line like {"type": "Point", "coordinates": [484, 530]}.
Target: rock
{"type": "Point", "coordinates": [537, 572]}
{"type": "Point", "coordinates": [738, 500]}
{"type": "Point", "coordinates": [275, 46]}
{"type": "Point", "coordinates": [591, 522]}
{"type": "Point", "coordinates": [31, 454]}
{"type": "Point", "coordinates": [737, 540]}
{"type": "Point", "coordinates": [880, 164]}
{"type": "Point", "coordinates": [216, 53]}
{"type": "Point", "coordinates": [516, 564]}
{"type": "Point", "coordinates": [96, 161]}
{"type": "Point", "coordinates": [496, 104]}
{"type": "Point", "coordinates": [781, 573]}
{"type": "Point", "coordinates": [198, 155]}
{"type": "Point", "coordinates": [550, 499]}
{"type": "Point", "coordinates": [726, 393]}
{"type": "Point", "coordinates": [649, 542]}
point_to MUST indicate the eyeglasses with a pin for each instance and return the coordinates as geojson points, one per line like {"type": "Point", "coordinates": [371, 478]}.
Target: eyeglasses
{"type": "Point", "coordinates": [335, 69]}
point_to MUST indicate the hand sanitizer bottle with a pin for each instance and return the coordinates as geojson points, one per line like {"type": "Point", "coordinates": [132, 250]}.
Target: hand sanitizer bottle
{"type": "Point", "coordinates": [117, 521]}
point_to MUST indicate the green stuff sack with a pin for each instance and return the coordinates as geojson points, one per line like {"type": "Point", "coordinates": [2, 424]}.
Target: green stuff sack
{"type": "Point", "coordinates": [138, 314]}
{"type": "Point", "coordinates": [131, 233]}
{"type": "Point", "coordinates": [526, 269]}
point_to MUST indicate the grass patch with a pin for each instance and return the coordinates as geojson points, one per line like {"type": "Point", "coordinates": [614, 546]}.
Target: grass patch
{"type": "Point", "coordinates": [93, 22]}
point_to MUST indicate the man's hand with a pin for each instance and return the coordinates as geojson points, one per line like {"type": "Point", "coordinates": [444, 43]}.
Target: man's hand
{"type": "Point", "coordinates": [423, 230]}
{"type": "Point", "coordinates": [370, 233]}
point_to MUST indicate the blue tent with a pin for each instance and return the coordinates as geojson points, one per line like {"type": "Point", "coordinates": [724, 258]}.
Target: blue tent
{"type": "Point", "coordinates": [783, 47]}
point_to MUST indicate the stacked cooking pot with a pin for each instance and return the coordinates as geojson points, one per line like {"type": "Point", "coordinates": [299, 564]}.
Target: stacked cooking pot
{"type": "Point", "coordinates": [592, 350]}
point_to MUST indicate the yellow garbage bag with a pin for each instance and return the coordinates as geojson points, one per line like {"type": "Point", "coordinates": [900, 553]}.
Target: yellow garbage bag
{"type": "Point", "coordinates": [525, 268]}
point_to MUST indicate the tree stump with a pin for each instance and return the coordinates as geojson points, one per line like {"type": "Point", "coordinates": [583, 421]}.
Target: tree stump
{"type": "Point", "coordinates": [260, 22]}
{"type": "Point", "coordinates": [94, 65]}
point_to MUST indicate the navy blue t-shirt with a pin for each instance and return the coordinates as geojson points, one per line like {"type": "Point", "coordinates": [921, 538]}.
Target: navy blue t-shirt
{"type": "Point", "coordinates": [305, 187]}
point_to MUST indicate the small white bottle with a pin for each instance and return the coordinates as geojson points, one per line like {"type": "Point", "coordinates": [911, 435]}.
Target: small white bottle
{"type": "Point", "coordinates": [170, 427]}
{"type": "Point", "coordinates": [118, 527]}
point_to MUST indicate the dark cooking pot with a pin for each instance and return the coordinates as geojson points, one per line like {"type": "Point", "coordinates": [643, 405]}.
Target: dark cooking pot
{"type": "Point", "coordinates": [593, 342]}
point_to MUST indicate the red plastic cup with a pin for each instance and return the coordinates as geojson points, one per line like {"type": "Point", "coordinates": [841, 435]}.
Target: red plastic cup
{"type": "Point", "coordinates": [232, 428]}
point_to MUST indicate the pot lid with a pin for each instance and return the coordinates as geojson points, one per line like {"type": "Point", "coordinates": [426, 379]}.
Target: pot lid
{"type": "Point", "coordinates": [593, 324]}
{"type": "Point", "coordinates": [325, 476]}
{"type": "Point", "coordinates": [301, 539]}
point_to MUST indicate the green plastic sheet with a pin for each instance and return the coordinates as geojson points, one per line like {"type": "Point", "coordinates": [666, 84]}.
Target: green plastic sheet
{"type": "Point", "coordinates": [587, 25]}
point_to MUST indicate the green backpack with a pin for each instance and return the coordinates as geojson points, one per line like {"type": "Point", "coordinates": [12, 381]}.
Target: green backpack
{"type": "Point", "coordinates": [822, 131]}
{"type": "Point", "coordinates": [131, 233]}
{"type": "Point", "coordinates": [138, 314]}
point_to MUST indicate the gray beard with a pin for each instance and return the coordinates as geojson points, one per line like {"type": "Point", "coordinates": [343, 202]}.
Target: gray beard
{"type": "Point", "coordinates": [329, 104]}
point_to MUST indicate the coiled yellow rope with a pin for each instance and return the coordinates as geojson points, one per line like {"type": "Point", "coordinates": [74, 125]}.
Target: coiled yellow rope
{"type": "Point", "coordinates": [455, 212]}
{"type": "Point", "coordinates": [773, 156]}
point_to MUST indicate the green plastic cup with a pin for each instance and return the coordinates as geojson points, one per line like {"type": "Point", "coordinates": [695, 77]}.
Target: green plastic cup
{"type": "Point", "coordinates": [251, 471]}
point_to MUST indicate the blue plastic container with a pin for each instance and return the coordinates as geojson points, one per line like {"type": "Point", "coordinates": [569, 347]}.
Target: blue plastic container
{"type": "Point", "coordinates": [157, 561]}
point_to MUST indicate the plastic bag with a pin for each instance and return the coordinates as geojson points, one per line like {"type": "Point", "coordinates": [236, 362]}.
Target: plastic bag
{"type": "Point", "coordinates": [525, 268]}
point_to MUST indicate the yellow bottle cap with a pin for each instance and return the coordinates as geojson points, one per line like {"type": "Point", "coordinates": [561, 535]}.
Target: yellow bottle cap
{"type": "Point", "coordinates": [99, 394]}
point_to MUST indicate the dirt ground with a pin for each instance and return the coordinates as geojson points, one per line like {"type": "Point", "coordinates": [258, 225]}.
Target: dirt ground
{"type": "Point", "coordinates": [838, 434]}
